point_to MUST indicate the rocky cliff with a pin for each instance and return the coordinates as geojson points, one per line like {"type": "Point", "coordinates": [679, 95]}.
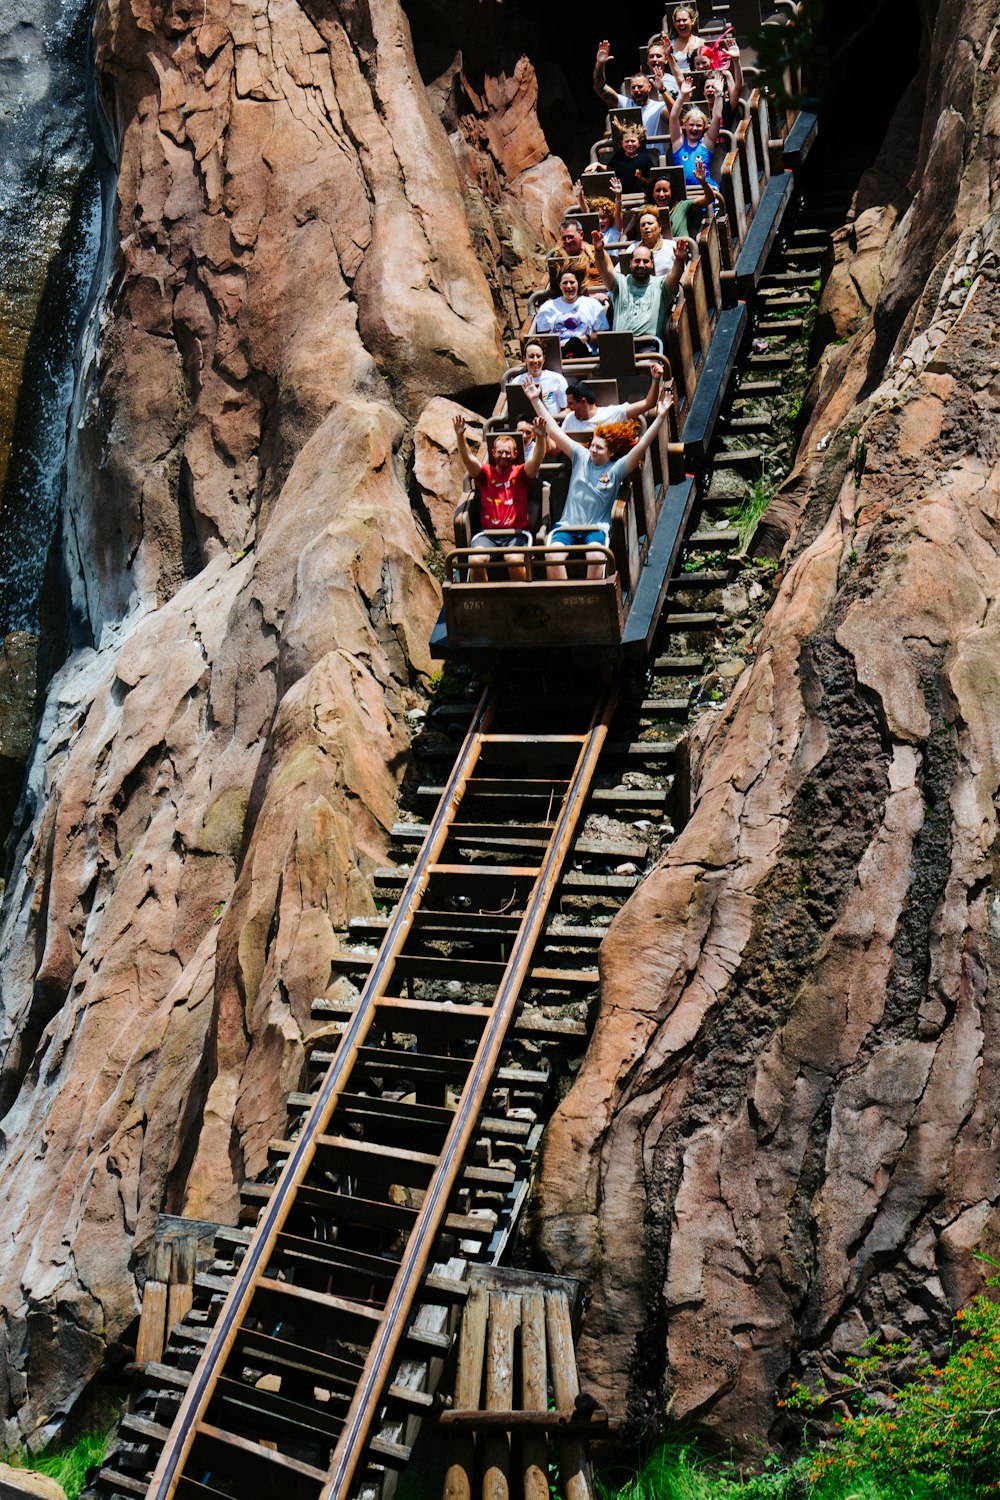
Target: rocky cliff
{"type": "Point", "coordinates": [784, 1136]}
{"type": "Point", "coordinates": [49, 214]}
{"type": "Point", "coordinates": [290, 277]}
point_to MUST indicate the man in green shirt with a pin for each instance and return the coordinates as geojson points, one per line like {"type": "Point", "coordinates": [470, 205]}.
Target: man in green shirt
{"type": "Point", "coordinates": [640, 300]}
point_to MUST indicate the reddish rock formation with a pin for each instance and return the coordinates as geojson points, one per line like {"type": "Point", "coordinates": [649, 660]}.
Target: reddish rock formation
{"type": "Point", "coordinates": [783, 1138]}
{"type": "Point", "coordinates": [291, 280]}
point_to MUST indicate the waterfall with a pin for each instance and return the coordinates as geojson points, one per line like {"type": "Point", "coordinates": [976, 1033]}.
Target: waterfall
{"type": "Point", "coordinates": [50, 214]}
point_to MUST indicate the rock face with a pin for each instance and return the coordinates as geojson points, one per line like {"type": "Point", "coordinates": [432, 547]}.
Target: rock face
{"type": "Point", "coordinates": [49, 204]}
{"type": "Point", "coordinates": [783, 1138]}
{"type": "Point", "coordinates": [15, 1483]}
{"type": "Point", "coordinates": [290, 280]}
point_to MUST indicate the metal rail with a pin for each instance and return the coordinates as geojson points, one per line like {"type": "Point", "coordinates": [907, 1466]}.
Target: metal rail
{"type": "Point", "coordinates": [239, 1317]}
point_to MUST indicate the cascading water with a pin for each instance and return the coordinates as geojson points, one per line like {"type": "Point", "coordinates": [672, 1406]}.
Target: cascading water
{"type": "Point", "coordinates": [49, 242]}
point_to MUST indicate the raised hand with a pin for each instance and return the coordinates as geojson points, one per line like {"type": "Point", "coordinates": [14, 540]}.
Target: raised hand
{"type": "Point", "coordinates": [597, 239]}
{"type": "Point", "coordinates": [687, 88]}
{"type": "Point", "coordinates": [540, 428]}
{"type": "Point", "coordinates": [731, 49]}
{"type": "Point", "coordinates": [656, 369]}
{"type": "Point", "coordinates": [532, 391]}
{"type": "Point", "coordinates": [604, 53]}
{"type": "Point", "coordinates": [700, 170]}
{"type": "Point", "coordinates": [681, 251]}
{"type": "Point", "coordinates": [616, 186]}
{"type": "Point", "coordinates": [459, 422]}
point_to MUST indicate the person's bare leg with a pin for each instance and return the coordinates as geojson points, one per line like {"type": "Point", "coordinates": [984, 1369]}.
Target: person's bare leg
{"type": "Point", "coordinates": [596, 564]}
{"type": "Point", "coordinates": [556, 566]}
{"type": "Point", "coordinates": [477, 568]}
{"type": "Point", "coordinates": [516, 570]}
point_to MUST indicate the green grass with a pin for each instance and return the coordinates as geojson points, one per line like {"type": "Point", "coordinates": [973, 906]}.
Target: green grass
{"type": "Point", "coordinates": [678, 1471]}
{"type": "Point", "coordinates": [67, 1466]}
{"type": "Point", "coordinates": [675, 1471]}
{"type": "Point", "coordinates": [746, 516]}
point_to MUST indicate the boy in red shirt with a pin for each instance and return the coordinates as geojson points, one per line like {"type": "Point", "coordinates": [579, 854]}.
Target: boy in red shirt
{"type": "Point", "coordinates": [504, 487]}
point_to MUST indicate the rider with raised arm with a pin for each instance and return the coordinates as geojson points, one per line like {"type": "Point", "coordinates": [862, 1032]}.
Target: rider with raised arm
{"type": "Point", "coordinates": [693, 136]}
{"type": "Point", "coordinates": [504, 488]}
{"type": "Point", "coordinates": [641, 300]}
{"type": "Point", "coordinates": [639, 96]}
{"type": "Point", "coordinates": [584, 414]}
{"type": "Point", "coordinates": [596, 476]}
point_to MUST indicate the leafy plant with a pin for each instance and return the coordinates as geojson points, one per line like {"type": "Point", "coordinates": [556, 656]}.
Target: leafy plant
{"type": "Point", "coordinates": [942, 1426]}
{"type": "Point", "coordinates": [932, 1436]}
{"type": "Point", "coordinates": [704, 562]}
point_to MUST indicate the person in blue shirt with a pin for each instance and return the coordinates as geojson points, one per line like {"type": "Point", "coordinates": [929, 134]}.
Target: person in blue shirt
{"type": "Point", "coordinates": [596, 476]}
{"type": "Point", "coordinates": [693, 136]}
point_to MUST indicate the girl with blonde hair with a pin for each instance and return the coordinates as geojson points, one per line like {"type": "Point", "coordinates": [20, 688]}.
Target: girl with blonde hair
{"type": "Point", "coordinates": [693, 136]}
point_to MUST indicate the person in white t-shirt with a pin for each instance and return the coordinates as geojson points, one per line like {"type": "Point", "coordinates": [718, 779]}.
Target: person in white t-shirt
{"type": "Point", "coordinates": [662, 250]}
{"type": "Point", "coordinates": [663, 72]}
{"type": "Point", "coordinates": [639, 96]}
{"type": "Point", "coordinates": [573, 318]}
{"type": "Point", "coordinates": [550, 382]}
{"type": "Point", "coordinates": [584, 414]}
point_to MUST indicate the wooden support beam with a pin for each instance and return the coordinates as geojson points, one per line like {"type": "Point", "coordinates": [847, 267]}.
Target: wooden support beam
{"type": "Point", "coordinates": [499, 1393]}
{"type": "Point", "coordinates": [468, 1387]}
{"type": "Point", "coordinates": [576, 1475]}
{"type": "Point", "coordinates": [534, 1396]}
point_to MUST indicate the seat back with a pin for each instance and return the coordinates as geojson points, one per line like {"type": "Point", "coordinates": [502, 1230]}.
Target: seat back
{"type": "Point", "coordinates": [595, 185]}
{"type": "Point", "coordinates": [619, 120]}
{"type": "Point", "coordinates": [550, 344]}
{"type": "Point", "coordinates": [615, 354]}
{"type": "Point", "coordinates": [605, 391]}
{"type": "Point", "coordinates": [700, 317]}
{"type": "Point", "coordinates": [519, 408]}
{"type": "Point", "coordinates": [760, 122]}
{"type": "Point", "coordinates": [680, 348]}
{"type": "Point", "coordinates": [745, 18]}
{"type": "Point", "coordinates": [710, 254]}
{"type": "Point", "coordinates": [587, 221]}
{"type": "Point", "coordinates": [747, 150]}
{"type": "Point", "coordinates": [731, 182]}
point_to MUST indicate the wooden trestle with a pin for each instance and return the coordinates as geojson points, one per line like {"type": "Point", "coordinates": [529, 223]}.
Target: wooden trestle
{"type": "Point", "coordinates": [298, 1372]}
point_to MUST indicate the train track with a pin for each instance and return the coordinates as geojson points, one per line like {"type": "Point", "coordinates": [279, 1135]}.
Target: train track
{"type": "Point", "coordinates": [320, 1335]}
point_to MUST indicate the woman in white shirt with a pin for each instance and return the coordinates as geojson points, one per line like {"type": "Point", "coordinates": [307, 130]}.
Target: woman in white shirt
{"type": "Point", "coordinates": [572, 318]}
{"type": "Point", "coordinates": [684, 40]}
{"type": "Point", "coordinates": [552, 384]}
{"type": "Point", "coordinates": [651, 235]}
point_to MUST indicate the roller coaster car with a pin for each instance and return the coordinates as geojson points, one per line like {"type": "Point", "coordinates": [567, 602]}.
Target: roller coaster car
{"type": "Point", "coordinates": [504, 600]}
